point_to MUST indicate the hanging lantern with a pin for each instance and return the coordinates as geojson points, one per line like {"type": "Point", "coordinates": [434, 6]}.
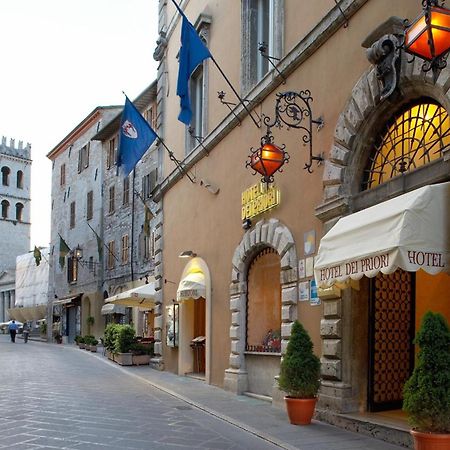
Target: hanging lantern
{"type": "Point", "coordinates": [429, 35]}
{"type": "Point", "coordinates": [267, 159]}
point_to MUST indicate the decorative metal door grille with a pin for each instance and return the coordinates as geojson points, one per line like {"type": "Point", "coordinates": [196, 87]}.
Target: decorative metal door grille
{"type": "Point", "coordinates": [416, 137]}
{"type": "Point", "coordinates": [392, 330]}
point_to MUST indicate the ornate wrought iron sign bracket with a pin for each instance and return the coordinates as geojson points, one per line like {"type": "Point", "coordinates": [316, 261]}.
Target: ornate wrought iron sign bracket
{"type": "Point", "coordinates": [293, 110]}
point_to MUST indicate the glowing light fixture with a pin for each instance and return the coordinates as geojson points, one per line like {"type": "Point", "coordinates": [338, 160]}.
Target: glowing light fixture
{"type": "Point", "coordinates": [429, 35]}
{"type": "Point", "coordinates": [267, 159]}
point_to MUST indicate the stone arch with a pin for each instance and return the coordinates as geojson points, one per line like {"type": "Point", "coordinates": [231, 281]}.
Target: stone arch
{"type": "Point", "coordinates": [354, 132]}
{"type": "Point", "coordinates": [266, 233]}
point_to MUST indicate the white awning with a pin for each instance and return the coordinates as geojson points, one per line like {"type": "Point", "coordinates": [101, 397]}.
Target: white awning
{"type": "Point", "coordinates": [192, 286]}
{"type": "Point", "coordinates": [112, 308]}
{"type": "Point", "coordinates": [65, 300]}
{"type": "Point", "coordinates": [411, 232]}
{"type": "Point", "coordinates": [142, 296]}
{"type": "Point", "coordinates": [28, 313]}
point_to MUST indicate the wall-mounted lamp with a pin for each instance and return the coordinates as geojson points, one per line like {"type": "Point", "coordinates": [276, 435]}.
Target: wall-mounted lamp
{"type": "Point", "coordinates": [78, 252]}
{"type": "Point", "coordinates": [428, 37]}
{"type": "Point", "coordinates": [187, 254]}
{"type": "Point", "coordinates": [292, 110]}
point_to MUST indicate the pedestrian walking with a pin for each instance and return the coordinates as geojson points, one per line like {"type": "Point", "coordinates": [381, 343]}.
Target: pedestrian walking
{"type": "Point", "coordinates": [26, 332]}
{"type": "Point", "coordinates": [13, 330]}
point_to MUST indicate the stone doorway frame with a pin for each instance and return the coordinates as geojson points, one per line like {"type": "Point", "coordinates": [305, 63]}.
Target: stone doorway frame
{"type": "Point", "coordinates": [266, 233]}
{"type": "Point", "coordinates": [364, 113]}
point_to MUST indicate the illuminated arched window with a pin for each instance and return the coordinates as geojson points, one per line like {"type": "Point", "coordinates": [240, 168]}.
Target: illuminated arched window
{"type": "Point", "coordinates": [417, 136]}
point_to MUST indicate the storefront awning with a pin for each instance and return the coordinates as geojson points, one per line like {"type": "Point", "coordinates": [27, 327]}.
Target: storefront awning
{"type": "Point", "coordinates": [65, 300]}
{"type": "Point", "coordinates": [142, 296]}
{"type": "Point", "coordinates": [111, 308]}
{"type": "Point", "coordinates": [192, 286]}
{"type": "Point", "coordinates": [28, 313]}
{"type": "Point", "coordinates": [411, 232]}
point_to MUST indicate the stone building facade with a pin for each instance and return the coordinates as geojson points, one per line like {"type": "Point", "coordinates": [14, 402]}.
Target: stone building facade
{"type": "Point", "coordinates": [15, 222]}
{"type": "Point", "coordinates": [242, 266]}
{"type": "Point", "coordinates": [75, 280]}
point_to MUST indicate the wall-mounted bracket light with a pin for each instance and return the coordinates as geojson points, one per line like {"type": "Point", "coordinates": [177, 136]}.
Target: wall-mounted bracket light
{"type": "Point", "coordinates": [292, 110]}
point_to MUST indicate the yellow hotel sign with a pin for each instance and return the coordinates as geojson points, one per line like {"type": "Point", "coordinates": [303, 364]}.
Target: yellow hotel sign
{"type": "Point", "coordinates": [258, 199]}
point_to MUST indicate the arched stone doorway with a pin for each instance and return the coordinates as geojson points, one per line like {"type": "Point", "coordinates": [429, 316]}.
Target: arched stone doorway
{"type": "Point", "coordinates": [348, 315]}
{"type": "Point", "coordinates": [273, 234]}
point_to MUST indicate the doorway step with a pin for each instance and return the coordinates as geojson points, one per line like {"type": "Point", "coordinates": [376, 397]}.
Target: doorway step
{"type": "Point", "coordinates": [389, 426]}
{"type": "Point", "coordinates": [265, 398]}
{"type": "Point", "coordinates": [196, 376]}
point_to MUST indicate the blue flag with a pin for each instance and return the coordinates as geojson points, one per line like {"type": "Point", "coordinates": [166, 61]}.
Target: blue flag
{"type": "Point", "coordinates": [192, 53]}
{"type": "Point", "coordinates": [135, 137]}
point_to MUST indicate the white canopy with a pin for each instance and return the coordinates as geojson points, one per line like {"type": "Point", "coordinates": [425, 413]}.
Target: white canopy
{"type": "Point", "coordinates": [143, 296]}
{"type": "Point", "coordinates": [411, 232]}
{"type": "Point", "coordinates": [192, 286]}
{"type": "Point", "coordinates": [112, 308]}
{"type": "Point", "coordinates": [28, 313]}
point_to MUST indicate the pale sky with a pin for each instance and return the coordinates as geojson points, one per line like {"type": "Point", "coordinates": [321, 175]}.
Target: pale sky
{"type": "Point", "coordinates": [59, 60]}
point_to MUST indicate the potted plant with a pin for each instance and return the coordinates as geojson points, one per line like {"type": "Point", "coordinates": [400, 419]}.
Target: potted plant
{"type": "Point", "coordinates": [79, 340]}
{"type": "Point", "coordinates": [426, 395]}
{"type": "Point", "coordinates": [90, 322]}
{"type": "Point", "coordinates": [124, 339]}
{"type": "Point", "coordinates": [300, 376]}
{"type": "Point", "coordinates": [93, 345]}
{"type": "Point", "coordinates": [110, 339]}
{"type": "Point", "coordinates": [141, 353]}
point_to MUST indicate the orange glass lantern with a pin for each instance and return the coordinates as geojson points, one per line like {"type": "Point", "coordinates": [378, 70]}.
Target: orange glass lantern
{"type": "Point", "coordinates": [429, 35]}
{"type": "Point", "coordinates": [267, 159]}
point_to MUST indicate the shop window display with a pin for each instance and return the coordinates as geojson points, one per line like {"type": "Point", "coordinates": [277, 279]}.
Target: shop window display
{"type": "Point", "coordinates": [264, 303]}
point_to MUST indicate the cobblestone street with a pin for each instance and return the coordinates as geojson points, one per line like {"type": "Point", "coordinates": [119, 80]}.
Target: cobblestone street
{"type": "Point", "coordinates": [59, 397]}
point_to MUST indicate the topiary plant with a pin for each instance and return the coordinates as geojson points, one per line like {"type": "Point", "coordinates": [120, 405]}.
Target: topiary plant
{"type": "Point", "coordinates": [111, 331]}
{"type": "Point", "coordinates": [300, 367]}
{"type": "Point", "coordinates": [426, 395]}
{"type": "Point", "coordinates": [124, 339]}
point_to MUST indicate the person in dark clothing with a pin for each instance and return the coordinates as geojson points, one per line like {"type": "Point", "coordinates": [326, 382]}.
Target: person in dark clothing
{"type": "Point", "coordinates": [26, 332]}
{"type": "Point", "coordinates": [13, 330]}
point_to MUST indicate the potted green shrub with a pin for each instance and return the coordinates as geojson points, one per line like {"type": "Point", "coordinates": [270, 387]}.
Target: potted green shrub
{"type": "Point", "coordinates": [109, 340]}
{"type": "Point", "coordinates": [300, 376]}
{"type": "Point", "coordinates": [88, 342]}
{"type": "Point", "coordinates": [79, 340]}
{"type": "Point", "coordinates": [93, 345]}
{"type": "Point", "coordinates": [426, 395]}
{"type": "Point", "coordinates": [124, 339]}
{"type": "Point", "coordinates": [141, 353]}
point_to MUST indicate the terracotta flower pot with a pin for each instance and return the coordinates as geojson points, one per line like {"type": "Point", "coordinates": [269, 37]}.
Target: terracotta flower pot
{"type": "Point", "coordinates": [430, 441]}
{"type": "Point", "coordinates": [300, 410]}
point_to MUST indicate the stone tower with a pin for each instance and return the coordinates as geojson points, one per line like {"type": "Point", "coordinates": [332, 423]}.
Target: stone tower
{"type": "Point", "coordinates": [15, 174]}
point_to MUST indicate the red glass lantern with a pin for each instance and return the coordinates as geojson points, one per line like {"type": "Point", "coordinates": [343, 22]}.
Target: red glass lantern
{"type": "Point", "coordinates": [267, 160]}
{"type": "Point", "coordinates": [429, 35]}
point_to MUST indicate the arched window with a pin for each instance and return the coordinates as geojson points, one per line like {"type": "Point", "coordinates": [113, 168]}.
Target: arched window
{"type": "Point", "coordinates": [20, 179]}
{"type": "Point", "coordinates": [5, 175]}
{"type": "Point", "coordinates": [19, 211]}
{"type": "Point", "coordinates": [415, 137]}
{"type": "Point", "coordinates": [5, 208]}
{"type": "Point", "coordinates": [264, 303]}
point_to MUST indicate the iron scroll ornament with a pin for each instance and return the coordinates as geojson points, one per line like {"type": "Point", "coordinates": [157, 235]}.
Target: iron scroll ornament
{"type": "Point", "coordinates": [292, 110]}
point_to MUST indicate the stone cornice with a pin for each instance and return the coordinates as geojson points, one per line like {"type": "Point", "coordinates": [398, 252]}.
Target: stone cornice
{"type": "Point", "coordinates": [323, 31]}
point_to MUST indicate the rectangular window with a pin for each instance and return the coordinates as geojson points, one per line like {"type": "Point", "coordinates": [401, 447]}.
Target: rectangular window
{"type": "Point", "coordinates": [90, 205]}
{"type": "Point", "coordinates": [148, 244]}
{"type": "Point", "coordinates": [150, 116]}
{"type": "Point", "coordinates": [111, 254]}
{"type": "Point", "coordinates": [111, 155]}
{"type": "Point", "coordinates": [149, 183]}
{"type": "Point", "coordinates": [62, 179]}
{"type": "Point", "coordinates": [262, 22]}
{"type": "Point", "coordinates": [91, 265]}
{"type": "Point", "coordinates": [72, 215]}
{"type": "Point", "coordinates": [83, 157]}
{"type": "Point", "coordinates": [112, 193]}
{"type": "Point", "coordinates": [72, 269]}
{"type": "Point", "coordinates": [196, 92]}
{"type": "Point", "coordinates": [125, 249]}
{"type": "Point", "coordinates": [126, 191]}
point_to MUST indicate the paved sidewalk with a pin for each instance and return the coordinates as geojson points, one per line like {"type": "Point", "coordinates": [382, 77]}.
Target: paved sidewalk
{"type": "Point", "coordinates": [252, 415]}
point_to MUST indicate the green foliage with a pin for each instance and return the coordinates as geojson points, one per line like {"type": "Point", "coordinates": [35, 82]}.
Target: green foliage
{"type": "Point", "coordinates": [43, 328]}
{"type": "Point", "coordinates": [89, 339]}
{"type": "Point", "coordinates": [124, 339]}
{"type": "Point", "coordinates": [110, 335]}
{"type": "Point", "coordinates": [78, 339]}
{"type": "Point", "coordinates": [90, 320]}
{"type": "Point", "coordinates": [142, 349]}
{"type": "Point", "coordinates": [94, 341]}
{"type": "Point", "coordinates": [300, 367]}
{"type": "Point", "coordinates": [426, 395]}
